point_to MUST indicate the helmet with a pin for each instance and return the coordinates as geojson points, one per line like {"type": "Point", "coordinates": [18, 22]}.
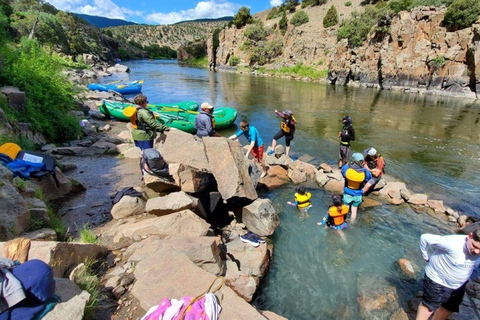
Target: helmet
{"type": "Point", "coordinates": [288, 112]}
{"type": "Point", "coordinates": [347, 119]}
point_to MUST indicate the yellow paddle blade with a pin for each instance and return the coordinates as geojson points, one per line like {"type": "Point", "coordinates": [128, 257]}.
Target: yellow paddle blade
{"type": "Point", "coordinates": [140, 82]}
{"type": "Point", "coordinates": [10, 149]}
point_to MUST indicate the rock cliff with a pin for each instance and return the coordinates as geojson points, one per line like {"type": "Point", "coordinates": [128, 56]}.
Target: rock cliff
{"type": "Point", "coordinates": [417, 54]}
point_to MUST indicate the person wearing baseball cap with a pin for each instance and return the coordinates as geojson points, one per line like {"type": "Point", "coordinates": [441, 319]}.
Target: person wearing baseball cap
{"type": "Point", "coordinates": [204, 121]}
{"type": "Point", "coordinates": [356, 175]}
{"type": "Point", "coordinates": [374, 163]}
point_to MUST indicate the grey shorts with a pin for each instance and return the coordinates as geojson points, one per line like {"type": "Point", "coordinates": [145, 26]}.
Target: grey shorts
{"type": "Point", "coordinates": [344, 153]}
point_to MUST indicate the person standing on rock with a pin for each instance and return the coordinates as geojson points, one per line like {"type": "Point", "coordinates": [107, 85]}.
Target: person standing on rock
{"type": "Point", "coordinates": [449, 267]}
{"type": "Point", "coordinates": [144, 125]}
{"type": "Point", "coordinates": [355, 176]}
{"type": "Point", "coordinates": [346, 135]}
{"type": "Point", "coordinates": [287, 129]}
{"type": "Point", "coordinates": [256, 143]}
{"type": "Point", "coordinates": [204, 122]}
{"type": "Point", "coordinates": [374, 163]}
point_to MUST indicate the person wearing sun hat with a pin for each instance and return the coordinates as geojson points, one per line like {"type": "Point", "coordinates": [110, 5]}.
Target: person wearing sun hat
{"type": "Point", "coordinates": [204, 122]}
{"type": "Point", "coordinates": [356, 175]}
{"type": "Point", "coordinates": [374, 163]}
{"type": "Point", "coordinates": [287, 129]}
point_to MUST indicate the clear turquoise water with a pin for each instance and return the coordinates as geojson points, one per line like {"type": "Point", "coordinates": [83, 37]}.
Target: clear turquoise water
{"type": "Point", "coordinates": [431, 143]}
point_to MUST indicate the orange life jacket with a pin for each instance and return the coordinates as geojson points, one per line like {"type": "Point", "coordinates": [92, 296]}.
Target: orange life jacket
{"type": "Point", "coordinates": [337, 217]}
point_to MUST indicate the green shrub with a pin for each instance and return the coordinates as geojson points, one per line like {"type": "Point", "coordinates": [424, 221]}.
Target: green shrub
{"type": "Point", "coordinates": [462, 14]}
{"type": "Point", "coordinates": [283, 23]}
{"type": "Point", "coordinates": [273, 13]}
{"type": "Point", "coordinates": [291, 5]}
{"type": "Point", "coordinates": [20, 184]}
{"type": "Point", "coordinates": [255, 32]}
{"type": "Point", "coordinates": [242, 17]}
{"type": "Point", "coordinates": [348, 4]}
{"type": "Point", "coordinates": [437, 62]}
{"type": "Point", "coordinates": [299, 18]}
{"type": "Point", "coordinates": [38, 72]}
{"type": "Point", "coordinates": [331, 17]}
{"type": "Point", "coordinates": [311, 3]}
{"type": "Point", "coordinates": [233, 61]}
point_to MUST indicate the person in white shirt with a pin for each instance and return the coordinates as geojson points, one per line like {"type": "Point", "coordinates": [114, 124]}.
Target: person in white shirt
{"type": "Point", "coordinates": [449, 267]}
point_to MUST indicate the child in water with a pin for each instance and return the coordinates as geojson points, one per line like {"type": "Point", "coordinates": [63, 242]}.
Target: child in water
{"type": "Point", "coordinates": [302, 199]}
{"type": "Point", "coordinates": [336, 215]}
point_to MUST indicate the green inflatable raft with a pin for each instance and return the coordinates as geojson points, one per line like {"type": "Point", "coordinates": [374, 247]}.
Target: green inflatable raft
{"type": "Point", "coordinates": [173, 115]}
{"type": "Point", "coordinates": [115, 108]}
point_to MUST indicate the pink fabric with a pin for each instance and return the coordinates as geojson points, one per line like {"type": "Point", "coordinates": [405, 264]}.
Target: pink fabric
{"type": "Point", "coordinates": [194, 312]}
{"type": "Point", "coordinates": [162, 307]}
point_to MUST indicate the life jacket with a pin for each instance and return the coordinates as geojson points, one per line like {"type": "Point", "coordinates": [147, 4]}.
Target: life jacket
{"type": "Point", "coordinates": [335, 217]}
{"type": "Point", "coordinates": [372, 164]}
{"type": "Point", "coordinates": [286, 126]}
{"type": "Point", "coordinates": [354, 178]}
{"type": "Point", "coordinates": [131, 112]}
{"type": "Point", "coordinates": [303, 200]}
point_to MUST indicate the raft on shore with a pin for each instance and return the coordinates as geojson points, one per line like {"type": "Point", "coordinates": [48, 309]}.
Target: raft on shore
{"type": "Point", "coordinates": [123, 88]}
{"type": "Point", "coordinates": [179, 115]}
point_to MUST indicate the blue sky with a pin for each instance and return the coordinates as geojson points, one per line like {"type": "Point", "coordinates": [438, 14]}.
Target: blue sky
{"type": "Point", "coordinates": [161, 11]}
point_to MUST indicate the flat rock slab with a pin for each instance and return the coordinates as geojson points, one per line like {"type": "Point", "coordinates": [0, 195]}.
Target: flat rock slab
{"type": "Point", "coordinates": [73, 301]}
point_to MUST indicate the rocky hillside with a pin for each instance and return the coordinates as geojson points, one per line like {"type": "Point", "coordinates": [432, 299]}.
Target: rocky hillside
{"type": "Point", "coordinates": [411, 50]}
{"type": "Point", "coordinates": [173, 36]}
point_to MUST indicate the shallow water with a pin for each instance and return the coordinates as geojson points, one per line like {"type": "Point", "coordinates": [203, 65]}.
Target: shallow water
{"type": "Point", "coordinates": [431, 143]}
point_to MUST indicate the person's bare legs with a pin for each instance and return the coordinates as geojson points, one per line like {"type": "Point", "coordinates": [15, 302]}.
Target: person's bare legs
{"type": "Point", "coordinates": [366, 187]}
{"type": "Point", "coordinates": [264, 168]}
{"type": "Point", "coordinates": [274, 144]}
{"type": "Point", "coordinates": [354, 214]}
{"type": "Point", "coordinates": [423, 313]}
{"type": "Point", "coordinates": [441, 314]}
{"type": "Point", "coordinates": [340, 164]}
{"type": "Point", "coordinates": [287, 151]}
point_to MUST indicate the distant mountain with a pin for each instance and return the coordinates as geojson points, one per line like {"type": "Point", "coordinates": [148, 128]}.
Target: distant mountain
{"type": "Point", "coordinates": [102, 22]}
{"type": "Point", "coordinates": [207, 20]}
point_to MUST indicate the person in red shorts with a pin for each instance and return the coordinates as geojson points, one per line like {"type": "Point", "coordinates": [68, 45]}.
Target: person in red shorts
{"type": "Point", "coordinates": [256, 143]}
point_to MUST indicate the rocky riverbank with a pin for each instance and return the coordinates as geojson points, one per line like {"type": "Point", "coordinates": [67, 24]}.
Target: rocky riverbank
{"type": "Point", "coordinates": [179, 236]}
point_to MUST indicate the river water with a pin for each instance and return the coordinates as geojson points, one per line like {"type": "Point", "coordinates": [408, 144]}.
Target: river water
{"type": "Point", "coordinates": [429, 142]}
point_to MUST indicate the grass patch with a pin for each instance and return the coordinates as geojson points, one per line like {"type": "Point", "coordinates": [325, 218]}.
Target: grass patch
{"type": "Point", "coordinates": [20, 184]}
{"type": "Point", "coordinates": [87, 235]}
{"type": "Point", "coordinates": [89, 281]}
{"type": "Point", "coordinates": [300, 71]}
{"type": "Point", "coordinates": [56, 223]}
{"type": "Point", "coordinates": [201, 61]}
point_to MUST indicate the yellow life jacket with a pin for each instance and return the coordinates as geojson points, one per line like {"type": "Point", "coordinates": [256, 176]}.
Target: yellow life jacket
{"type": "Point", "coordinates": [131, 113]}
{"type": "Point", "coordinates": [10, 149]}
{"type": "Point", "coordinates": [338, 217]}
{"type": "Point", "coordinates": [303, 200]}
{"type": "Point", "coordinates": [354, 178]}
{"type": "Point", "coordinates": [213, 122]}
{"type": "Point", "coordinates": [284, 125]}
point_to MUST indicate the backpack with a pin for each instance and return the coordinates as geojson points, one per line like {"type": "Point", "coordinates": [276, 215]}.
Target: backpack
{"type": "Point", "coordinates": [131, 112]}
{"type": "Point", "coordinates": [153, 163]}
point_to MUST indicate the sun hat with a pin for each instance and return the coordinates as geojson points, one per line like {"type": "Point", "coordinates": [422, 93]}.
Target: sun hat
{"type": "Point", "coordinates": [288, 112]}
{"type": "Point", "coordinates": [206, 105]}
{"type": "Point", "coordinates": [372, 152]}
{"type": "Point", "coordinates": [357, 157]}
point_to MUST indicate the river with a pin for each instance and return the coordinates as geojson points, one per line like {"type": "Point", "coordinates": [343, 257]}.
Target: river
{"type": "Point", "coordinates": [429, 142]}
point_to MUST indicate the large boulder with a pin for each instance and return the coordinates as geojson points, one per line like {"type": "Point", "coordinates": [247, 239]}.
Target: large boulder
{"type": "Point", "coordinates": [128, 206]}
{"type": "Point", "coordinates": [229, 168]}
{"type": "Point", "coordinates": [377, 297]}
{"type": "Point", "coordinates": [16, 99]}
{"type": "Point", "coordinates": [72, 303]}
{"type": "Point", "coordinates": [155, 278]}
{"type": "Point", "coordinates": [14, 212]}
{"type": "Point", "coordinates": [184, 223]}
{"type": "Point", "coordinates": [254, 263]}
{"type": "Point", "coordinates": [173, 202]}
{"type": "Point", "coordinates": [260, 217]}
{"type": "Point", "coordinates": [159, 184]}
{"type": "Point", "coordinates": [181, 147]}
{"type": "Point", "coordinates": [55, 187]}
{"type": "Point", "coordinates": [63, 255]}
{"type": "Point", "coordinates": [190, 179]}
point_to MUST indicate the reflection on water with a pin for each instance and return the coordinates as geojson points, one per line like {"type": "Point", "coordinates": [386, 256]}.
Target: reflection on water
{"type": "Point", "coordinates": [431, 143]}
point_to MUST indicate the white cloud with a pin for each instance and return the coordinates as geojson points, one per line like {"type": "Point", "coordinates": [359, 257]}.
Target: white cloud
{"type": "Point", "coordinates": [66, 5]}
{"type": "Point", "coordinates": [203, 9]}
{"type": "Point", "coordinates": [275, 3]}
{"type": "Point", "coordinates": [102, 8]}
